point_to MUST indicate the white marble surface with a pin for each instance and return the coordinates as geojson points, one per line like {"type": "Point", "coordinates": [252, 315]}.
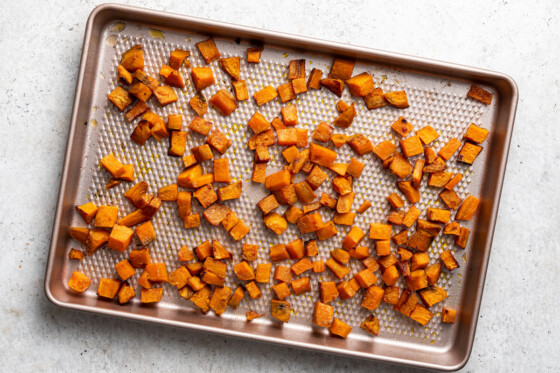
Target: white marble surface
{"type": "Point", "coordinates": [40, 46]}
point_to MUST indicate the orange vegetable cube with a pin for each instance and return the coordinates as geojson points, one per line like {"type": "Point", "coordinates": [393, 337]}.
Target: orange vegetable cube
{"type": "Point", "coordinates": [402, 127]}
{"type": "Point", "coordinates": [240, 89]}
{"type": "Point", "coordinates": [265, 95]}
{"type": "Point", "coordinates": [224, 102]}
{"type": "Point", "coordinates": [108, 287]}
{"type": "Point", "coordinates": [299, 85]}
{"type": "Point", "coordinates": [314, 79]}
{"type": "Point", "coordinates": [289, 115]}
{"type": "Point", "coordinates": [151, 295]}
{"type": "Point", "coordinates": [397, 99]}
{"type": "Point", "coordinates": [310, 223]}
{"type": "Point", "coordinates": [258, 123]}
{"type": "Point", "coordinates": [465, 212]}
{"type": "Point", "coordinates": [208, 50]}
{"type": "Point", "coordinates": [254, 55]}
{"type": "Point", "coordinates": [106, 216]}
{"type": "Point", "coordinates": [165, 95]}
{"type": "Point", "coordinates": [449, 149]}
{"type": "Point", "coordinates": [281, 290]}
{"type": "Point", "coordinates": [411, 146]}
{"type": "Point", "coordinates": [427, 134]}
{"type": "Point", "coordinates": [285, 91]}
{"type": "Point", "coordinates": [157, 272]}
{"type": "Point", "coordinates": [448, 315]}
{"type": "Point", "coordinates": [87, 211]}
{"type": "Point", "coordinates": [480, 94]}
{"type": "Point", "coordinates": [476, 134]}
{"type": "Point", "coordinates": [278, 180]}
{"type": "Point", "coordinates": [231, 66]}
{"type": "Point", "coordinates": [120, 238]}
{"type": "Point", "coordinates": [323, 314]}
{"type": "Point", "coordinates": [253, 290]}
{"type": "Point", "coordinates": [301, 285]}
{"type": "Point", "coordinates": [177, 58]}
{"type": "Point", "coordinates": [339, 270]}
{"type": "Point", "coordinates": [120, 98]}
{"type": "Point", "coordinates": [79, 282]}
{"type": "Point", "coordinates": [327, 231]}
{"type": "Point", "coordinates": [339, 328]}
{"type": "Point", "coordinates": [449, 260]}
{"type": "Point", "coordinates": [275, 222]}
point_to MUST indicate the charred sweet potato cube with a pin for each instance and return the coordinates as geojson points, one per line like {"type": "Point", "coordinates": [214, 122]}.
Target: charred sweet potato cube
{"type": "Point", "coordinates": [400, 166]}
{"type": "Point", "coordinates": [278, 180]}
{"type": "Point", "coordinates": [138, 109]}
{"type": "Point", "coordinates": [346, 290]}
{"type": "Point", "coordinates": [224, 102]}
{"type": "Point", "coordinates": [108, 287]}
{"type": "Point", "coordinates": [219, 300]}
{"type": "Point", "coordinates": [372, 297]}
{"type": "Point", "coordinates": [402, 127]}
{"type": "Point", "coordinates": [262, 155]}
{"type": "Point", "coordinates": [265, 95]}
{"type": "Point", "coordinates": [79, 282]}
{"type": "Point", "coordinates": [301, 285]}
{"type": "Point", "coordinates": [259, 173]}
{"type": "Point", "coordinates": [216, 213]}
{"type": "Point", "coordinates": [314, 79]}
{"type": "Point", "coordinates": [427, 134]}
{"type": "Point", "coordinates": [231, 191]}
{"type": "Point", "coordinates": [275, 222]}
{"type": "Point", "coordinates": [449, 149]}
{"type": "Point", "coordinates": [240, 89]}
{"type": "Point", "coordinates": [411, 146]}
{"type": "Point", "coordinates": [254, 55]}
{"type": "Point", "coordinates": [480, 94]}
{"type": "Point", "coordinates": [468, 153]}
{"type": "Point", "coordinates": [463, 237]}
{"type": "Point", "coordinates": [449, 260]}
{"type": "Point", "coordinates": [327, 231]}
{"type": "Point", "coordinates": [296, 69]}
{"type": "Point", "coordinates": [397, 99]}
{"type": "Point", "coordinates": [336, 86]}
{"type": "Point", "coordinates": [360, 144]}
{"type": "Point", "coordinates": [280, 310]}
{"type": "Point", "coordinates": [476, 134]}
{"type": "Point", "coordinates": [286, 93]}
{"type": "Point", "coordinates": [146, 79]}
{"type": "Point", "coordinates": [289, 115]}
{"type": "Point", "coordinates": [345, 119]}
{"type": "Point", "coordinates": [165, 95]}
{"type": "Point", "coordinates": [177, 57]}
{"type": "Point", "coordinates": [340, 328]}
{"type": "Point", "coordinates": [448, 315]}
{"type": "Point", "coordinates": [141, 133]}
{"type": "Point", "coordinates": [123, 75]}
{"type": "Point", "coordinates": [106, 216]}
{"type": "Point", "coordinates": [450, 199]}
{"type": "Point", "coordinates": [231, 66]}
{"type": "Point", "coordinates": [375, 99]}
{"type": "Point", "coordinates": [208, 50]}
{"type": "Point", "coordinates": [360, 85]}
{"type": "Point", "coordinates": [268, 204]}
{"type": "Point", "coordinates": [465, 212]}
{"type": "Point", "coordinates": [258, 123]}
{"type": "Point", "coordinates": [133, 59]}
{"type": "Point", "coordinates": [342, 68]}
{"type": "Point", "coordinates": [421, 315]}
{"type": "Point", "coordinates": [299, 85]}
{"type": "Point", "coordinates": [339, 270]}
{"type": "Point", "coordinates": [310, 223]}
{"type": "Point", "coordinates": [286, 195]}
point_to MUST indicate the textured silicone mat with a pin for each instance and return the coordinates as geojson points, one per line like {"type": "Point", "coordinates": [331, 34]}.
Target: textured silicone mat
{"type": "Point", "coordinates": [440, 103]}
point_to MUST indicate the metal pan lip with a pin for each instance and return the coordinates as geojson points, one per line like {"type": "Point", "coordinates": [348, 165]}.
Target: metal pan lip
{"type": "Point", "coordinates": [413, 62]}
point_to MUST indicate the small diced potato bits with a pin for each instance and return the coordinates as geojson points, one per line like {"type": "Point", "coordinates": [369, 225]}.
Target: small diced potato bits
{"type": "Point", "coordinates": [79, 282]}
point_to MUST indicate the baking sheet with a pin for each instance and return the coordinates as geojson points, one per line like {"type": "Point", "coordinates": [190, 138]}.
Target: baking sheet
{"type": "Point", "coordinates": [437, 100]}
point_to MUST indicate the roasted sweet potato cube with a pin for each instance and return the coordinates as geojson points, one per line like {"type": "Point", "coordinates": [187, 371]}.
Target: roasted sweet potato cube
{"type": "Point", "coordinates": [449, 260]}
{"type": "Point", "coordinates": [195, 269]}
{"type": "Point", "coordinates": [254, 55]}
{"type": "Point", "coordinates": [108, 287]}
{"type": "Point", "coordinates": [301, 285]}
{"type": "Point", "coordinates": [438, 215]}
{"type": "Point", "coordinates": [316, 177]}
{"type": "Point", "coordinates": [113, 165]}
{"type": "Point", "coordinates": [342, 256]}
{"type": "Point", "coordinates": [372, 297]}
{"type": "Point", "coordinates": [427, 134]}
{"type": "Point", "coordinates": [219, 300]}
{"type": "Point", "coordinates": [259, 173]}
{"type": "Point", "coordinates": [231, 66]}
{"type": "Point", "coordinates": [231, 191]}
{"type": "Point", "coordinates": [208, 50]}
{"type": "Point", "coordinates": [450, 199]}
{"type": "Point", "coordinates": [219, 251]}
{"type": "Point", "coordinates": [138, 109]}
{"type": "Point", "coordinates": [420, 240]}
{"type": "Point", "coordinates": [353, 238]}
{"type": "Point", "coordinates": [79, 282]}
{"type": "Point", "coordinates": [360, 144]}
{"type": "Point", "coordinates": [328, 201]}
{"type": "Point", "coordinates": [465, 212]}
{"type": "Point", "coordinates": [165, 95]}
{"type": "Point", "coordinates": [76, 255]}
{"type": "Point", "coordinates": [385, 149]}
{"type": "Point", "coordinates": [299, 85]}
{"type": "Point", "coordinates": [339, 139]}
{"type": "Point", "coordinates": [87, 211]}
{"type": "Point", "coordinates": [141, 133]}
{"type": "Point", "coordinates": [437, 166]}
{"type": "Point", "coordinates": [126, 293]}
{"type": "Point", "coordinates": [476, 134]}
{"type": "Point", "coordinates": [453, 181]}
{"type": "Point", "coordinates": [179, 277]}
{"type": "Point", "coordinates": [328, 291]}
{"type": "Point", "coordinates": [262, 274]}
{"type": "Point", "coordinates": [157, 272]}
{"type": "Point", "coordinates": [243, 271]}
{"type": "Point", "coordinates": [203, 250]}
{"type": "Point", "coordinates": [412, 194]}
{"type": "Point", "coordinates": [133, 59]}
{"type": "Point", "coordinates": [174, 79]}
{"type": "Point", "coordinates": [463, 237]}
{"type": "Point", "coordinates": [327, 231]}
{"type": "Point", "coordinates": [224, 102]}
{"type": "Point", "coordinates": [262, 155]}
{"type": "Point", "coordinates": [221, 171]}
{"type": "Point", "coordinates": [310, 207]}
{"type": "Point", "coordinates": [120, 238]}
{"type": "Point", "coordinates": [268, 204]}
{"type": "Point", "coordinates": [345, 202]}
{"type": "Point", "coordinates": [286, 92]}
{"type": "Point", "coordinates": [275, 222]}
{"type": "Point", "coordinates": [258, 123]}
{"type": "Point", "coordinates": [281, 290]}
{"type": "Point", "coordinates": [448, 315]}
{"type": "Point", "coordinates": [340, 328]}
{"type": "Point", "coordinates": [322, 132]}
{"type": "Point", "coordinates": [199, 104]}
{"type": "Point", "coordinates": [289, 115]}
{"type": "Point", "coordinates": [240, 89]}
{"type": "Point", "coordinates": [201, 126]}
{"type": "Point", "coordinates": [417, 280]}
{"type": "Point", "coordinates": [345, 119]}
{"type": "Point", "coordinates": [395, 201]}
{"type": "Point", "coordinates": [287, 136]}
{"type": "Point", "coordinates": [411, 146]}
{"type": "Point", "coordinates": [375, 99]}
{"type": "Point", "coordinates": [342, 185]}
{"type": "Point", "coordinates": [201, 298]}
{"type": "Point", "coordinates": [202, 153]}
{"type": "Point", "coordinates": [159, 130]}
{"type": "Point", "coordinates": [253, 290]}
{"type": "Point", "coordinates": [339, 270]}
{"type": "Point", "coordinates": [346, 290]}
{"type": "Point", "coordinates": [127, 174]}
{"type": "Point", "coordinates": [336, 86]}
{"type": "Point", "coordinates": [468, 153]}
{"type": "Point", "coordinates": [146, 79]}
{"type": "Point", "coordinates": [365, 278]}
{"type": "Point", "coordinates": [400, 166]}
{"type": "Point", "coordinates": [323, 314]}
{"type": "Point", "coordinates": [192, 221]}
{"type": "Point", "coordinates": [310, 223]}
{"type": "Point", "coordinates": [216, 213]}
{"type": "Point", "coordinates": [265, 95]}
{"type": "Point", "coordinates": [123, 75]}
{"type": "Point", "coordinates": [175, 122]}
{"type": "Point", "coordinates": [344, 219]}
{"type": "Point", "coordinates": [195, 282]}
{"type": "Point", "coordinates": [421, 315]}
{"type": "Point", "coordinates": [280, 310]}
{"type": "Point", "coordinates": [360, 85]}
{"type": "Point", "coordinates": [304, 192]}
{"type": "Point", "coordinates": [480, 94]}
{"type": "Point", "coordinates": [371, 264]}
{"type": "Point", "coordinates": [177, 58]}
{"type": "Point", "coordinates": [314, 79]}
{"type": "Point", "coordinates": [342, 68]}
{"type": "Point", "coordinates": [292, 214]}
{"type": "Point", "coordinates": [282, 273]}
{"type": "Point", "coordinates": [380, 231]}
{"type": "Point", "coordinates": [205, 195]}
{"type": "Point", "coordinates": [402, 127]}
{"type": "Point", "coordinates": [301, 137]}
{"type": "Point", "coordinates": [278, 180]}
{"type": "Point", "coordinates": [106, 216]}
{"type": "Point", "coordinates": [168, 192]}
{"type": "Point", "coordinates": [290, 153]}
{"type": "Point", "coordinates": [431, 296]}
{"type": "Point", "coordinates": [397, 99]}
{"type": "Point", "coordinates": [390, 276]}
{"type": "Point", "coordinates": [391, 295]}
{"type": "Point", "coordinates": [449, 149]}
{"type": "Point", "coordinates": [417, 173]}
{"type": "Point", "coordinates": [286, 195]}
{"type": "Point", "coordinates": [452, 228]}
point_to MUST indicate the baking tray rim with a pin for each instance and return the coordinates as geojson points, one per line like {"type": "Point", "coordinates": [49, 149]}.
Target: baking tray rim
{"type": "Point", "coordinates": [508, 84]}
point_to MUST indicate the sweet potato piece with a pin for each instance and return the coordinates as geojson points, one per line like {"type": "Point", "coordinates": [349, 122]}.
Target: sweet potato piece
{"type": "Point", "coordinates": [390, 276]}
{"type": "Point", "coordinates": [79, 282]}
{"type": "Point", "coordinates": [87, 211]}
{"type": "Point", "coordinates": [314, 79]}
{"type": "Point", "coordinates": [127, 174]}
{"type": "Point", "coordinates": [224, 102]}
{"type": "Point", "coordinates": [438, 215]}
{"type": "Point", "coordinates": [345, 118]}
{"type": "Point", "coordinates": [465, 212]}
{"type": "Point", "coordinates": [365, 278]}
{"type": "Point", "coordinates": [360, 144]}
{"type": "Point", "coordinates": [231, 66]}
{"type": "Point", "coordinates": [375, 99]}
{"type": "Point", "coordinates": [126, 293]}
{"type": "Point", "coordinates": [417, 280]}
{"type": "Point", "coordinates": [431, 228]}
{"type": "Point", "coordinates": [240, 89]}
{"type": "Point", "coordinates": [259, 173]}
{"type": "Point", "coordinates": [290, 153]}
{"type": "Point", "coordinates": [265, 95]}
{"type": "Point", "coordinates": [282, 273]}
{"type": "Point", "coordinates": [177, 57]}
{"type": "Point", "coordinates": [106, 216]}
{"type": "Point", "coordinates": [421, 315]}
{"type": "Point", "coordinates": [175, 122]}
{"type": "Point", "coordinates": [322, 132]}
{"type": "Point", "coordinates": [304, 192]}
{"type": "Point", "coordinates": [168, 192]}
{"type": "Point", "coordinates": [231, 191]}
{"type": "Point", "coordinates": [339, 139]}
{"type": "Point", "coordinates": [353, 238]}
{"type": "Point", "coordinates": [385, 149]}
{"type": "Point", "coordinates": [342, 68]}
{"type": "Point", "coordinates": [411, 146]}
{"type": "Point", "coordinates": [268, 204]}
{"type": "Point", "coordinates": [397, 99]}
{"type": "Point", "coordinates": [138, 109]}
{"type": "Point", "coordinates": [281, 290]}
{"type": "Point", "coordinates": [448, 315]}
{"type": "Point", "coordinates": [286, 195]}
{"type": "Point", "coordinates": [449, 149]}
{"type": "Point", "coordinates": [205, 195]}
{"type": "Point", "coordinates": [159, 130]}
{"type": "Point", "coordinates": [199, 104]}
{"type": "Point", "coordinates": [120, 238]}
{"type": "Point", "coordinates": [289, 115]}
{"type": "Point", "coordinates": [287, 136]}
{"type": "Point", "coordinates": [344, 219]}
{"type": "Point", "coordinates": [286, 92]}
{"type": "Point", "coordinates": [174, 79]}
{"type": "Point", "coordinates": [328, 291]}
{"type": "Point", "coordinates": [360, 85]}
{"type": "Point", "coordinates": [311, 248]}
{"type": "Point", "coordinates": [201, 126]}
{"type": "Point", "coordinates": [380, 231]}
{"type": "Point", "coordinates": [221, 171]}
{"type": "Point", "coordinates": [344, 203]}
{"type": "Point", "coordinates": [412, 194]}
{"type": "Point", "coordinates": [437, 166]}
{"type": "Point", "coordinates": [323, 314]}
{"type": "Point", "coordinates": [431, 296]}
{"type": "Point", "coordinates": [296, 69]}
{"type": "Point", "coordinates": [400, 166]}
{"type": "Point", "coordinates": [278, 180]}
{"type": "Point", "coordinates": [429, 155]}
{"type": "Point", "coordinates": [216, 213]}
{"type": "Point", "coordinates": [123, 75]}
{"type": "Point", "coordinates": [463, 237]}
{"type": "Point", "coordinates": [452, 228]}
{"type": "Point", "coordinates": [310, 223]}
{"type": "Point", "coordinates": [328, 201]}
{"type": "Point", "coordinates": [449, 260]}
{"type": "Point", "coordinates": [296, 249]}
{"type": "Point", "coordinates": [341, 256]}
{"type": "Point", "coordinates": [480, 94]}
{"type": "Point", "coordinates": [427, 134]}
{"type": "Point", "coordinates": [236, 297]}
{"type": "Point", "coordinates": [372, 297]}
{"type": "Point", "coordinates": [316, 177]}
{"type": "Point", "coordinates": [275, 222]}
{"type": "Point", "coordinates": [420, 240]}
{"type": "Point", "coordinates": [262, 155]}
{"type": "Point", "coordinates": [195, 282]}
{"type": "Point", "coordinates": [203, 250]}
{"type": "Point", "coordinates": [144, 281]}
{"type": "Point", "coordinates": [133, 59]}
{"type": "Point", "coordinates": [208, 50]}
{"type": "Point", "coordinates": [327, 231]}
{"type": "Point", "coordinates": [336, 86]}
{"type": "Point", "coordinates": [141, 133]}
{"type": "Point", "coordinates": [202, 153]}
{"type": "Point", "coordinates": [292, 214]}
{"type": "Point", "coordinates": [179, 277]}
{"type": "Point", "coordinates": [339, 328]}
{"type": "Point", "coordinates": [76, 255]}
{"type": "Point", "coordinates": [165, 95]}
{"type": "Point", "coordinates": [254, 55]}
{"type": "Point", "coordinates": [339, 270]}
{"type": "Point", "coordinates": [371, 264]}
{"type": "Point", "coordinates": [342, 185]}
{"type": "Point", "coordinates": [299, 85]}
{"type": "Point", "coordinates": [146, 79]}
{"type": "Point", "coordinates": [108, 287]}
{"type": "Point", "coordinates": [391, 295]}
{"type": "Point", "coordinates": [243, 271]}
{"type": "Point", "coordinates": [468, 153]}
{"type": "Point", "coordinates": [157, 272]}
{"type": "Point", "coordinates": [185, 254]}
{"type": "Point", "coordinates": [262, 274]}
{"type": "Point", "coordinates": [253, 290]}
{"type": "Point", "coordinates": [280, 310]}
{"type": "Point", "coordinates": [301, 137]}
{"type": "Point", "coordinates": [433, 272]}
{"type": "Point", "coordinates": [258, 123]}
{"type": "Point", "coordinates": [402, 127]}
{"type": "Point", "coordinates": [476, 134]}
{"type": "Point", "coordinates": [219, 300]}
{"type": "Point", "coordinates": [201, 298]}
{"type": "Point", "coordinates": [192, 221]}
{"type": "Point", "coordinates": [301, 285]}
{"type": "Point", "coordinates": [453, 181]}
{"type": "Point", "coordinates": [439, 179]}
{"type": "Point", "coordinates": [346, 290]}
{"type": "Point", "coordinates": [450, 199]}
{"type": "Point", "coordinates": [113, 165]}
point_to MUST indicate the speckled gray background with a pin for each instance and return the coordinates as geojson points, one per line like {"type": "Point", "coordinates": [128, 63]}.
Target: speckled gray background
{"type": "Point", "coordinates": [40, 44]}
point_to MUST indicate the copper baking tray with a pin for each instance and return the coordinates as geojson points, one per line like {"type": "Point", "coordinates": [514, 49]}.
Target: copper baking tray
{"type": "Point", "coordinates": [437, 91]}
